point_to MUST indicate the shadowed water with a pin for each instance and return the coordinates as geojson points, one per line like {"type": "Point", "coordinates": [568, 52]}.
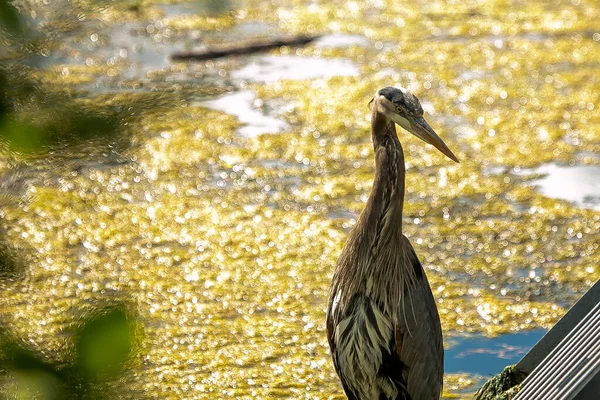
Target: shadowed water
{"type": "Point", "coordinates": [488, 356]}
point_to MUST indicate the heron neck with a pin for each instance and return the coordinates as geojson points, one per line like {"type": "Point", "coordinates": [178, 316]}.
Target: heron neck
{"type": "Point", "coordinates": [370, 257]}
{"type": "Point", "coordinates": [386, 201]}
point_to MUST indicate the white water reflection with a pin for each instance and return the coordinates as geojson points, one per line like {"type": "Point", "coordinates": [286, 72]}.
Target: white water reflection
{"type": "Point", "coordinates": [341, 40]}
{"type": "Point", "coordinates": [579, 184]}
{"type": "Point", "coordinates": [274, 68]}
{"type": "Point", "coordinates": [245, 107]}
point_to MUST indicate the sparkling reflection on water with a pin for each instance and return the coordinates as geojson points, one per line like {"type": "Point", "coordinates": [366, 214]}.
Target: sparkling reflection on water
{"type": "Point", "coordinates": [224, 220]}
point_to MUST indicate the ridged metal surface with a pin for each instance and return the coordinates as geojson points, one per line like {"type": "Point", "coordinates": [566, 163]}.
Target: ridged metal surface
{"type": "Point", "coordinates": [570, 366]}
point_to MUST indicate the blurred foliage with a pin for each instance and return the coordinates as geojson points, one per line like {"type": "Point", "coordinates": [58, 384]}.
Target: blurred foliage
{"type": "Point", "coordinates": [9, 17]}
{"type": "Point", "coordinates": [228, 242]}
{"type": "Point", "coordinates": [10, 266]}
{"type": "Point", "coordinates": [33, 117]}
{"type": "Point", "coordinates": [36, 119]}
{"type": "Point", "coordinates": [104, 344]}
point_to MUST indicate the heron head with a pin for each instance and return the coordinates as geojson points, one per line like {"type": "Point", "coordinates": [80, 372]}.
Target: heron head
{"type": "Point", "coordinates": [404, 109]}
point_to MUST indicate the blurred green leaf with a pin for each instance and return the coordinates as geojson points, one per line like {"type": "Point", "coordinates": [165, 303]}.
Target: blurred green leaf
{"type": "Point", "coordinates": [48, 128]}
{"type": "Point", "coordinates": [86, 125]}
{"type": "Point", "coordinates": [104, 344]}
{"type": "Point", "coordinates": [34, 384]}
{"type": "Point", "coordinates": [3, 95]}
{"type": "Point", "coordinates": [9, 17]}
{"type": "Point", "coordinates": [19, 89]}
{"type": "Point", "coordinates": [10, 265]}
{"type": "Point", "coordinates": [34, 120]}
{"type": "Point", "coordinates": [19, 357]}
{"type": "Point", "coordinates": [27, 375]}
{"type": "Point", "coordinates": [21, 136]}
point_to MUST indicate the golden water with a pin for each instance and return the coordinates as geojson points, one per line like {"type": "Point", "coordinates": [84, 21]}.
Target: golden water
{"type": "Point", "coordinates": [224, 245]}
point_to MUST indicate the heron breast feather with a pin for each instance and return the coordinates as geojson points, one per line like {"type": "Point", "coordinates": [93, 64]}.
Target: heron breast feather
{"type": "Point", "coordinates": [363, 341]}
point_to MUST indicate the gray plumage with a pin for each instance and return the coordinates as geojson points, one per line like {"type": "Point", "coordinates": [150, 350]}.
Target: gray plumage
{"type": "Point", "coordinates": [382, 321]}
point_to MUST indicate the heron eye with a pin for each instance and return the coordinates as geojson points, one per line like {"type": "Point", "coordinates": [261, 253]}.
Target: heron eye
{"type": "Point", "coordinates": [399, 110]}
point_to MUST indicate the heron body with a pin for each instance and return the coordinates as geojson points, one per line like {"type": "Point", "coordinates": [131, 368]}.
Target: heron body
{"type": "Point", "coordinates": [383, 325]}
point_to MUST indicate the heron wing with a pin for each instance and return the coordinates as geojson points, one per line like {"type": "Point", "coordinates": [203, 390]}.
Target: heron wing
{"type": "Point", "coordinates": [421, 336]}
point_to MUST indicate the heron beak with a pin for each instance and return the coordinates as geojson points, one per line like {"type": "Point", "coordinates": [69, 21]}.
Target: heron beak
{"type": "Point", "coordinates": [421, 129]}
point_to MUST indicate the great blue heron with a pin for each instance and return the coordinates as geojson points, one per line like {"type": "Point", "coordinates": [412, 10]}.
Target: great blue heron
{"type": "Point", "coordinates": [383, 325]}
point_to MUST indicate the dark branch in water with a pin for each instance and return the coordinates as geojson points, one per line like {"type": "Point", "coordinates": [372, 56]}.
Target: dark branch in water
{"type": "Point", "coordinates": [249, 48]}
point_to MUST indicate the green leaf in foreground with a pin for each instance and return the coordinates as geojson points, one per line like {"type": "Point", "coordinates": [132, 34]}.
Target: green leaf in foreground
{"type": "Point", "coordinates": [34, 384]}
{"type": "Point", "coordinates": [24, 374]}
{"type": "Point", "coordinates": [9, 17]}
{"type": "Point", "coordinates": [22, 137]}
{"type": "Point", "coordinates": [104, 344]}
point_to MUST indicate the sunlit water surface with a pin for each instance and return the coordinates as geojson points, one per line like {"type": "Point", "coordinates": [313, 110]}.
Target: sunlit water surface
{"type": "Point", "coordinates": [221, 224]}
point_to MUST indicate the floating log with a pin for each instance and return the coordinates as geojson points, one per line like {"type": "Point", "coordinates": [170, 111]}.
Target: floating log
{"type": "Point", "coordinates": [237, 50]}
